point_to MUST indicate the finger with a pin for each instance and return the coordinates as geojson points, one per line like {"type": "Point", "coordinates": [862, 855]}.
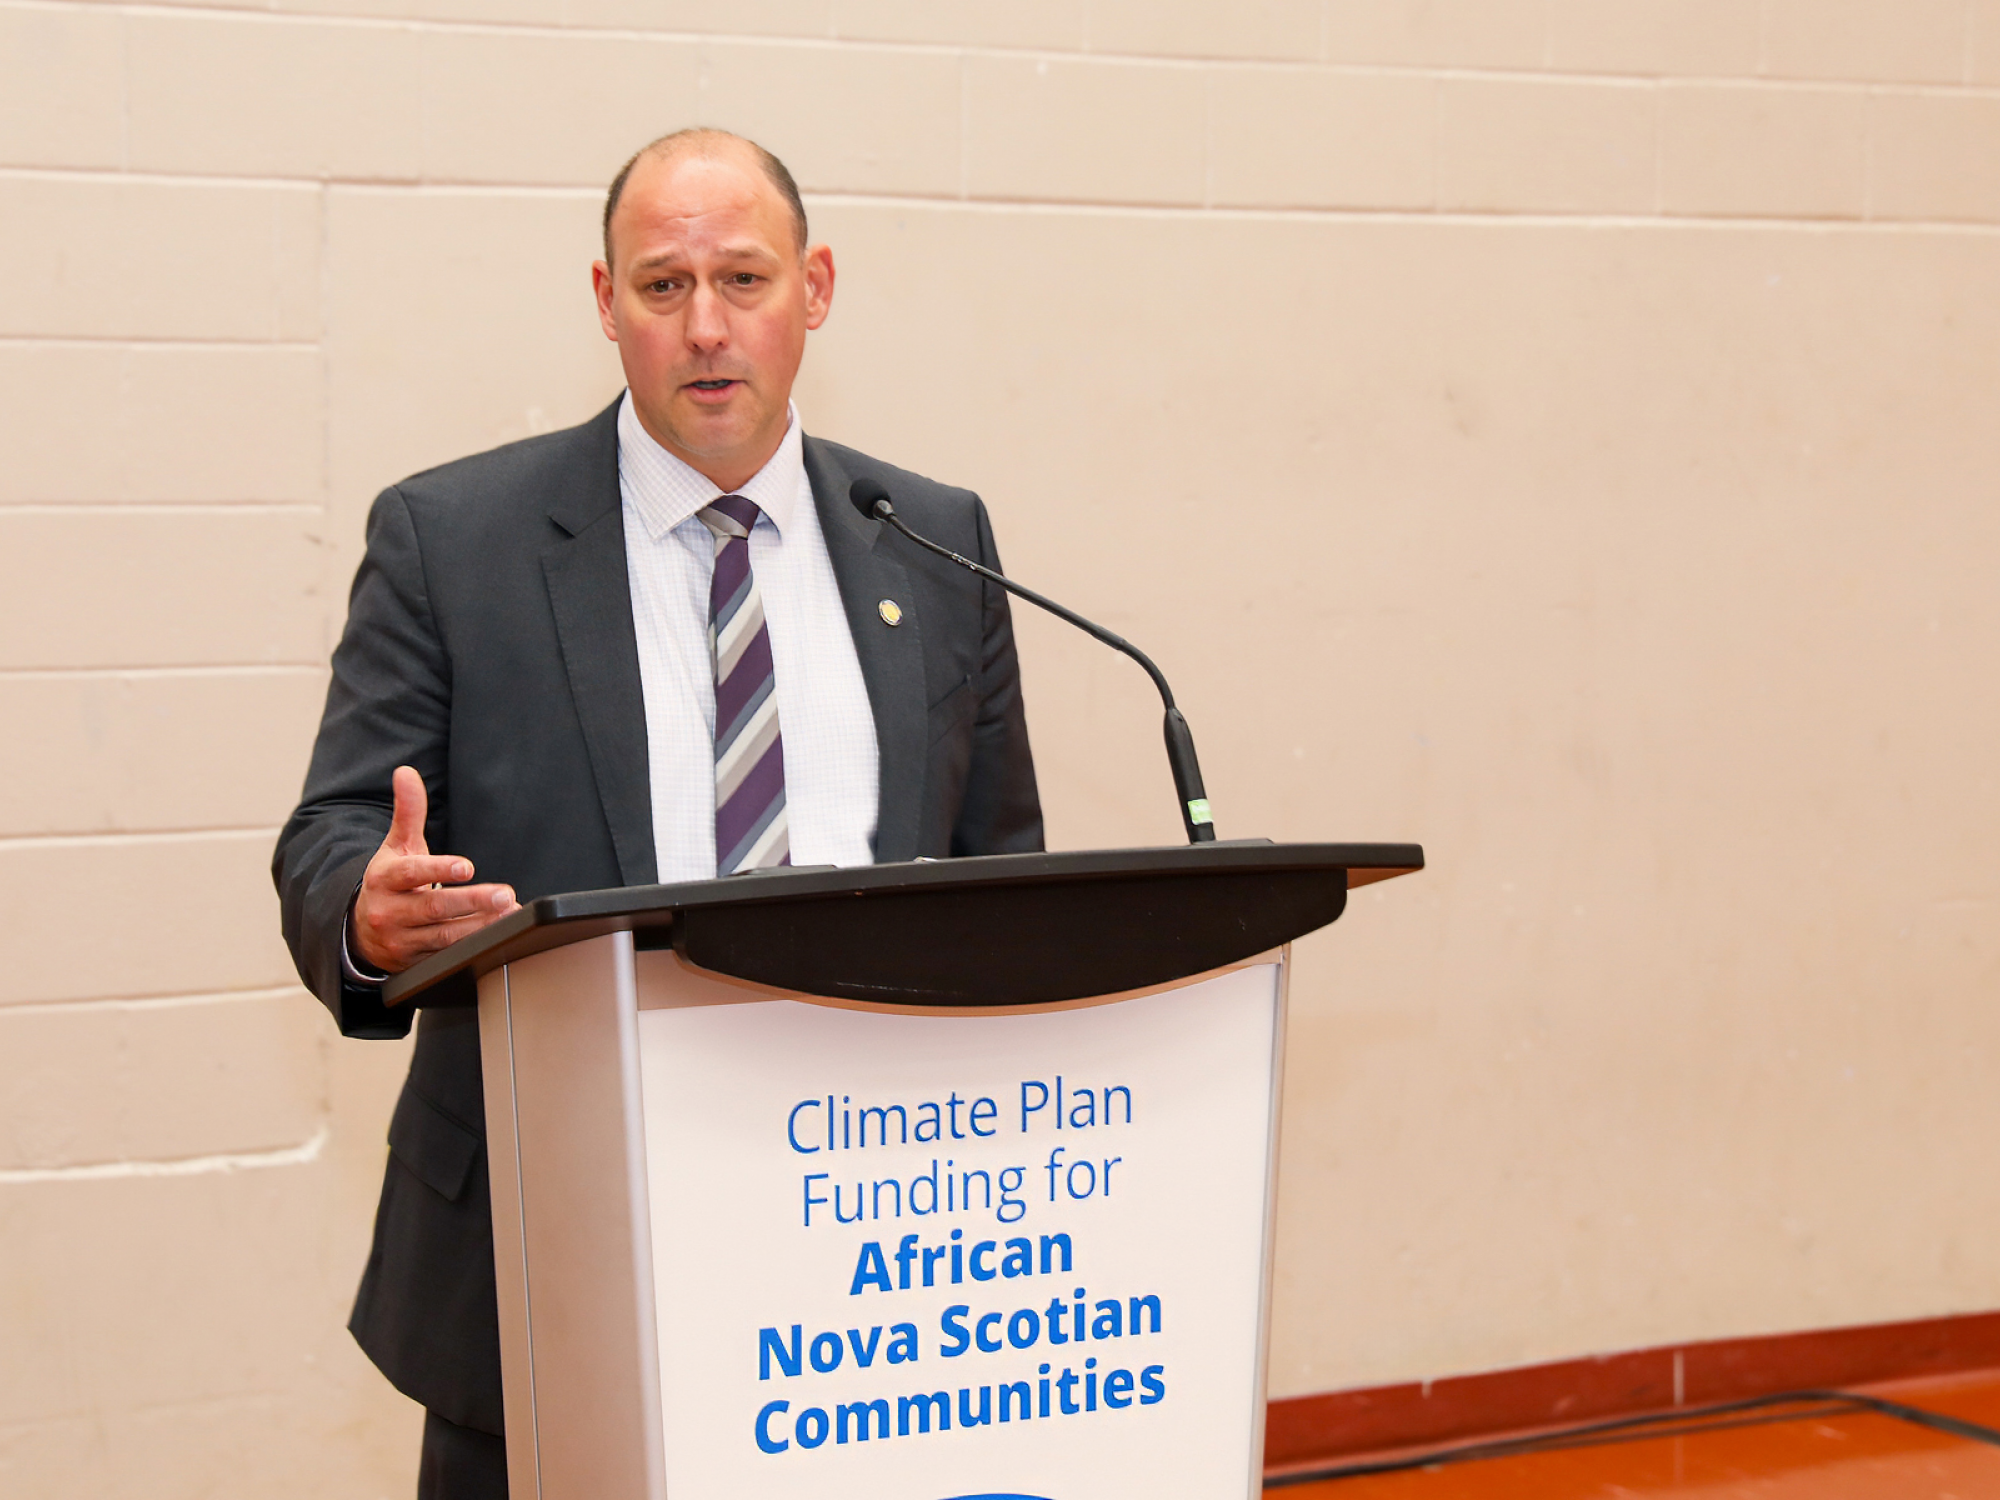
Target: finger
{"type": "Point", "coordinates": [406, 824]}
{"type": "Point", "coordinates": [450, 903]}
{"type": "Point", "coordinates": [393, 931]}
{"type": "Point", "coordinates": [418, 941]}
{"type": "Point", "coordinates": [391, 872]}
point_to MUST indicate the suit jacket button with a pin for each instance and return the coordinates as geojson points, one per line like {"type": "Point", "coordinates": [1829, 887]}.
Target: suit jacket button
{"type": "Point", "coordinates": [891, 612]}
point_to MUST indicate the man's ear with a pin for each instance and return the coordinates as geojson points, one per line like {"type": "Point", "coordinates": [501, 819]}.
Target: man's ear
{"type": "Point", "coordinates": [601, 284]}
{"type": "Point", "coordinates": [819, 284]}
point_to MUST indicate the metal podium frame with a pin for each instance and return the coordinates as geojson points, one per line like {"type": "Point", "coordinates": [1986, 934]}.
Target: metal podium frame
{"type": "Point", "coordinates": [560, 984]}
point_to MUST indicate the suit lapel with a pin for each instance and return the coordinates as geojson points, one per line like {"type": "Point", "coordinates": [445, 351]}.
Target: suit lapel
{"type": "Point", "coordinates": [591, 595]}
{"type": "Point", "coordinates": [892, 660]}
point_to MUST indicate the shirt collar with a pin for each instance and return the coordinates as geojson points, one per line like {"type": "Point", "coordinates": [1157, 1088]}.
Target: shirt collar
{"type": "Point", "coordinates": [665, 491]}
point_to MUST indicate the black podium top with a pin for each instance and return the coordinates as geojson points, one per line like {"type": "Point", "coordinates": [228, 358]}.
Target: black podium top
{"type": "Point", "coordinates": [1011, 929]}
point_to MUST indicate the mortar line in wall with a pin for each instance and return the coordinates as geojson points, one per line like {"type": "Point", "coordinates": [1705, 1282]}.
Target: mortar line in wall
{"type": "Point", "coordinates": [313, 183]}
{"type": "Point", "coordinates": [228, 1401]}
{"type": "Point", "coordinates": [306, 1151]}
{"type": "Point", "coordinates": [72, 674]}
{"type": "Point", "coordinates": [16, 172]}
{"type": "Point", "coordinates": [275, 267]}
{"type": "Point", "coordinates": [124, 95]}
{"type": "Point", "coordinates": [1435, 119]}
{"type": "Point", "coordinates": [945, 199]}
{"type": "Point", "coordinates": [150, 507]}
{"type": "Point", "coordinates": [144, 668]}
{"type": "Point", "coordinates": [1457, 217]}
{"type": "Point", "coordinates": [1659, 152]}
{"type": "Point", "coordinates": [964, 128]}
{"type": "Point", "coordinates": [325, 301]}
{"type": "Point", "coordinates": [449, 187]}
{"type": "Point", "coordinates": [1207, 143]}
{"type": "Point", "coordinates": [1084, 53]}
{"type": "Point", "coordinates": [159, 508]}
{"type": "Point", "coordinates": [1673, 80]}
{"type": "Point", "coordinates": [123, 1003]}
{"type": "Point", "coordinates": [124, 341]}
{"type": "Point", "coordinates": [227, 833]}
{"type": "Point", "coordinates": [1869, 112]}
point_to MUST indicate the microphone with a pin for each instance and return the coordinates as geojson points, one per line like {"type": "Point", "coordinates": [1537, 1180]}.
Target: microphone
{"type": "Point", "coordinates": [872, 500]}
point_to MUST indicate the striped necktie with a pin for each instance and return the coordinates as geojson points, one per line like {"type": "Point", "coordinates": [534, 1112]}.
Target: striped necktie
{"type": "Point", "coordinates": [750, 825]}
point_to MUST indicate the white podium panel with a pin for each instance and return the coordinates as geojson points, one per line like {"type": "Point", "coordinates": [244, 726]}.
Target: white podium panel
{"type": "Point", "coordinates": [918, 1254]}
{"type": "Point", "coordinates": [892, 1214]}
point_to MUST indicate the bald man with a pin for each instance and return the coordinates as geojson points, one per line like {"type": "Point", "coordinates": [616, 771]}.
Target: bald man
{"type": "Point", "coordinates": [525, 701]}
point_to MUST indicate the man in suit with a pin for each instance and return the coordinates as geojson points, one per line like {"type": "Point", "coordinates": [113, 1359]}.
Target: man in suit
{"type": "Point", "coordinates": [655, 647]}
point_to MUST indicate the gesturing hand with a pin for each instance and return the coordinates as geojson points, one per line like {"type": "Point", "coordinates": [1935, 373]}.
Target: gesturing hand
{"type": "Point", "coordinates": [413, 902]}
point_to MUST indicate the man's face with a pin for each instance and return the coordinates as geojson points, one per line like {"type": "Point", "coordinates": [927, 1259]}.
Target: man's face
{"type": "Point", "coordinates": [709, 302]}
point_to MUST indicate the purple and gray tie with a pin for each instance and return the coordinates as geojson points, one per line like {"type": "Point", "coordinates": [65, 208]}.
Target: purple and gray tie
{"type": "Point", "coordinates": [750, 824]}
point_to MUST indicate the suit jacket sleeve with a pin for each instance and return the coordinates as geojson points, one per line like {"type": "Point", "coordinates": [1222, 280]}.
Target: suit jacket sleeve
{"type": "Point", "coordinates": [388, 704]}
{"type": "Point", "coordinates": [1002, 812]}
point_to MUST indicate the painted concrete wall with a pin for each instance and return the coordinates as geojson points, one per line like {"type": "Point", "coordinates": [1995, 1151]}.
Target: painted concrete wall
{"type": "Point", "coordinates": [1557, 431]}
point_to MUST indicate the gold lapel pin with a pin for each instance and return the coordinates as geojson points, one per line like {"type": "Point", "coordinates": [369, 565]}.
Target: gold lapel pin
{"type": "Point", "coordinates": [891, 612]}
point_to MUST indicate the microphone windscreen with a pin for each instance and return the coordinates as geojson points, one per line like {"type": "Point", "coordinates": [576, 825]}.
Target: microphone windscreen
{"type": "Point", "coordinates": [864, 492]}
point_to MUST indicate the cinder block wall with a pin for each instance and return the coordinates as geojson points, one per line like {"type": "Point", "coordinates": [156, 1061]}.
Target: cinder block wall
{"type": "Point", "coordinates": [1558, 431]}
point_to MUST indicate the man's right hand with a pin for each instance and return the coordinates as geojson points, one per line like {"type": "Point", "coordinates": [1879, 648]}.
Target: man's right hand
{"type": "Point", "coordinates": [413, 902]}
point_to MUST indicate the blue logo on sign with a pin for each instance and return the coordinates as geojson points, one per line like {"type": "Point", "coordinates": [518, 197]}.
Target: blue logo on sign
{"type": "Point", "coordinates": [999, 1497]}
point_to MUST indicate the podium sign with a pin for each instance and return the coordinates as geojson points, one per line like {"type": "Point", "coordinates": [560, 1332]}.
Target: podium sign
{"type": "Point", "coordinates": [928, 1253]}
{"type": "Point", "coordinates": [943, 1181]}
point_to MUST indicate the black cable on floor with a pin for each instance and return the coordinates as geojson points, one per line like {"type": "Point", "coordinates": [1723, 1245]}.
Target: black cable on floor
{"type": "Point", "coordinates": [1753, 1411]}
{"type": "Point", "coordinates": [1937, 1421]}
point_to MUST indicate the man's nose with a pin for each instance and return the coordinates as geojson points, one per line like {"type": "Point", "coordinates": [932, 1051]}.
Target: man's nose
{"type": "Point", "coordinates": [707, 319]}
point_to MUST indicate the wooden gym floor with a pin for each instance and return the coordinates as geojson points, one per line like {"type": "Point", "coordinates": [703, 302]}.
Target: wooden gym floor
{"type": "Point", "coordinates": [1932, 1439]}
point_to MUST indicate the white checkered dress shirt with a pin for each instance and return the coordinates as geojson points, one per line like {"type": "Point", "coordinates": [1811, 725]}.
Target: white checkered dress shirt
{"type": "Point", "coordinates": [831, 759]}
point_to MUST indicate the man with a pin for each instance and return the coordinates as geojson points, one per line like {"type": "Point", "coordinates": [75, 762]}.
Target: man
{"type": "Point", "coordinates": [526, 684]}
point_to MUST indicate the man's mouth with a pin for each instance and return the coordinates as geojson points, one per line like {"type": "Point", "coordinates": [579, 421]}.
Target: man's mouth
{"type": "Point", "coordinates": [713, 385]}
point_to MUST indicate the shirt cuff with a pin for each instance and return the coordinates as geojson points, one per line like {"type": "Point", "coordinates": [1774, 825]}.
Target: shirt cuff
{"type": "Point", "coordinates": [356, 971]}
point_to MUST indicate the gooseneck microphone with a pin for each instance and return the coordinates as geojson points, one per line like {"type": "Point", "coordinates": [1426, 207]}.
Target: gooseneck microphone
{"type": "Point", "coordinates": [872, 500]}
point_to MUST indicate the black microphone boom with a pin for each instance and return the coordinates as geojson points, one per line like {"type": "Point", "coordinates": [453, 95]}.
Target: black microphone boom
{"type": "Point", "coordinates": [872, 500]}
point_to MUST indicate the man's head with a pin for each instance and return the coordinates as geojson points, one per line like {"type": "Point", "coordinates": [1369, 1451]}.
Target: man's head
{"type": "Point", "coordinates": [708, 287]}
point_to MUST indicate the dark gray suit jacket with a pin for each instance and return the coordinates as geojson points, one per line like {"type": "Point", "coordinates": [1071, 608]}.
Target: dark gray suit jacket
{"type": "Point", "coordinates": [489, 643]}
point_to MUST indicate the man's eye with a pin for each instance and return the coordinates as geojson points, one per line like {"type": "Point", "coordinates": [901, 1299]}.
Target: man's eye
{"type": "Point", "coordinates": [743, 278]}
{"type": "Point", "coordinates": [660, 286]}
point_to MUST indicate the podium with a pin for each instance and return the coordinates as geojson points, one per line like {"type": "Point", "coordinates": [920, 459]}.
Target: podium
{"type": "Point", "coordinates": [949, 1180]}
